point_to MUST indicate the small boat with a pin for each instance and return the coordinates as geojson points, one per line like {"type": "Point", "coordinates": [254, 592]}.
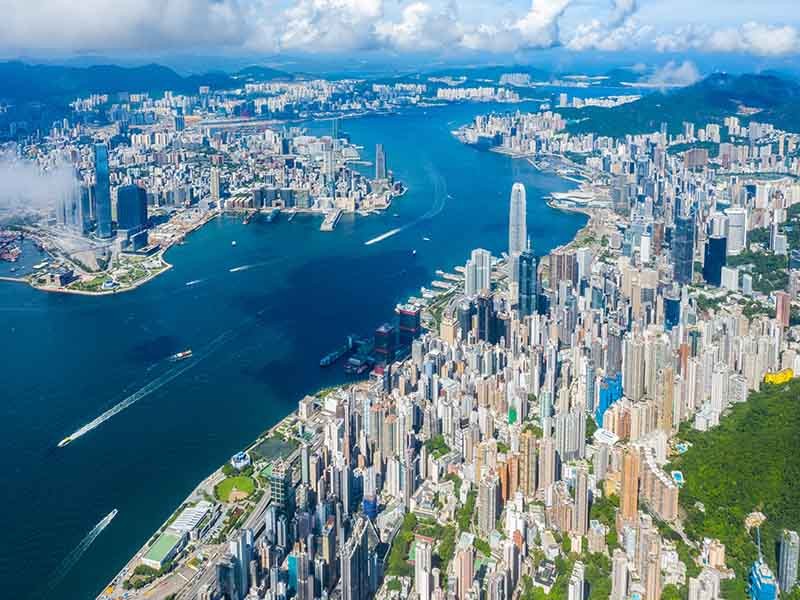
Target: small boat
{"type": "Point", "coordinates": [426, 239]}
{"type": "Point", "coordinates": [414, 251]}
{"type": "Point", "coordinates": [64, 442]}
{"type": "Point", "coordinates": [233, 243]}
{"type": "Point", "coordinates": [181, 355]}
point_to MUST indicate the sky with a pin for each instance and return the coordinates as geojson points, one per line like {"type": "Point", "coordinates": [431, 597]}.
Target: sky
{"type": "Point", "coordinates": [443, 30]}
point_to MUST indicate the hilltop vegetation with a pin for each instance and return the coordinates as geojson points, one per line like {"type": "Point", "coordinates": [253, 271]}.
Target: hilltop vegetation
{"type": "Point", "coordinates": [750, 462]}
{"type": "Point", "coordinates": [709, 100]}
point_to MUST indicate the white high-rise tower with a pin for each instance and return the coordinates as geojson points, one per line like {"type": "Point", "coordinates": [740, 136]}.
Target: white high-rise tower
{"type": "Point", "coordinates": [517, 229]}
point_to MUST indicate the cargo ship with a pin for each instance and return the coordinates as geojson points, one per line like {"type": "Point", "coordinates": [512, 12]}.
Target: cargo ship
{"type": "Point", "coordinates": [181, 355]}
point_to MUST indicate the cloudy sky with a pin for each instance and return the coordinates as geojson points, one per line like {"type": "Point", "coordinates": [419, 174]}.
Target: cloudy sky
{"type": "Point", "coordinates": [444, 28]}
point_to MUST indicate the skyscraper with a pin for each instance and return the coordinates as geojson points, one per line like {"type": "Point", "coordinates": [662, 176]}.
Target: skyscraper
{"type": "Point", "coordinates": [380, 162]}
{"type": "Point", "coordinates": [683, 248]}
{"type": "Point", "coordinates": [714, 259]}
{"type": "Point", "coordinates": [488, 492]}
{"type": "Point", "coordinates": [528, 283]}
{"type": "Point", "coordinates": [630, 485]}
{"type": "Point", "coordinates": [355, 583]}
{"type": "Point", "coordinates": [102, 191]}
{"type": "Point", "coordinates": [422, 567]}
{"type": "Point", "coordinates": [131, 208]}
{"type": "Point", "coordinates": [478, 272]}
{"type": "Point", "coordinates": [619, 575]}
{"type": "Point", "coordinates": [787, 563]}
{"type": "Point", "coordinates": [580, 516]}
{"type": "Point", "coordinates": [517, 229]}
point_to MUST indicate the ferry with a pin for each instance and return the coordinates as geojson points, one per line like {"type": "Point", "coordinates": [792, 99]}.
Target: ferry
{"type": "Point", "coordinates": [64, 442]}
{"type": "Point", "coordinates": [181, 355]}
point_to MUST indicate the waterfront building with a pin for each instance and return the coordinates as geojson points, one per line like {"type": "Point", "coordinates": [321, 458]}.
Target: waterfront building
{"type": "Point", "coordinates": [380, 162]}
{"type": "Point", "coordinates": [478, 272]}
{"type": "Point", "coordinates": [131, 208]}
{"type": "Point", "coordinates": [517, 220]}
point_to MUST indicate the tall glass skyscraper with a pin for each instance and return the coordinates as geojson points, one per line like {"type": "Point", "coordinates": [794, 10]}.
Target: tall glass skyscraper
{"type": "Point", "coordinates": [102, 191]}
{"type": "Point", "coordinates": [683, 248]}
{"type": "Point", "coordinates": [715, 255]}
{"type": "Point", "coordinates": [517, 229]}
{"type": "Point", "coordinates": [528, 284]}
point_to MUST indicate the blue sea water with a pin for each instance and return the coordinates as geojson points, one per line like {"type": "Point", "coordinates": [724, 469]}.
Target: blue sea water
{"type": "Point", "coordinates": [257, 332]}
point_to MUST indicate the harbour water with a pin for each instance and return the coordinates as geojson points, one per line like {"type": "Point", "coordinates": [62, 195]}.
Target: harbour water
{"type": "Point", "coordinates": [259, 315]}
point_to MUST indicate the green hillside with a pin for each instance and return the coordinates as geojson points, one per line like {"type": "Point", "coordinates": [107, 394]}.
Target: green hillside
{"type": "Point", "coordinates": [750, 462]}
{"type": "Point", "coordinates": [709, 100]}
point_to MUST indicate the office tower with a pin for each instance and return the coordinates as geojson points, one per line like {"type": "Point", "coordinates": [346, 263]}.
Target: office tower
{"type": "Point", "coordinates": [488, 492]}
{"type": "Point", "coordinates": [422, 567]}
{"type": "Point", "coordinates": [214, 184]}
{"type": "Point", "coordinates": [517, 229]}
{"type": "Point", "coordinates": [737, 230]}
{"type": "Point", "coordinates": [242, 550]}
{"type": "Point", "coordinates": [226, 578]}
{"type": "Point", "coordinates": [783, 308]}
{"type": "Point", "coordinates": [131, 208]}
{"type": "Point", "coordinates": [630, 485]}
{"type": "Point", "coordinates": [380, 162]}
{"type": "Point", "coordinates": [580, 516]}
{"type": "Point", "coordinates": [563, 267]}
{"type": "Point", "coordinates": [714, 259]}
{"type": "Point", "coordinates": [672, 309]}
{"type": "Point", "coordinates": [354, 563]}
{"type": "Point", "coordinates": [787, 560]}
{"type": "Point", "coordinates": [577, 582]}
{"type": "Point", "coordinates": [280, 485]}
{"type": "Point", "coordinates": [528, 283]}
{"type": "Point", "coordinates": [478, 272]}
{"type": "Point", "coordinates": [683, 248]}
{"type": "Point", "coordinates": [619, 575]}
{"type": "Point", "coordinates": [102, 191]}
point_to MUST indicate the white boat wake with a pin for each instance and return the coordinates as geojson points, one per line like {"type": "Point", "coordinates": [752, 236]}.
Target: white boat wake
{"type": "Point", "coordinates": [148, 389]}
{"type": "Point", "coordinates": [73, 557]}
{"type": "Point", "coordinates": [440, 199]}
{"type": "Point", "coordinates": [384, 236]}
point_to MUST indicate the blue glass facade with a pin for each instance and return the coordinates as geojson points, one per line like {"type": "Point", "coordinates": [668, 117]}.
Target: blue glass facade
{"type": "Point", "coordinates": [610, 392]}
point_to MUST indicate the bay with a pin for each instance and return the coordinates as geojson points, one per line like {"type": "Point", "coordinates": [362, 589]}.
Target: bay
{"type": "Point", "coordinates": [258, 315]}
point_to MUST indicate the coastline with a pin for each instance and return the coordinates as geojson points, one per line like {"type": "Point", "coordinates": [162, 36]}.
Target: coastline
{"type": "Point", "coordinates": [595, 221]}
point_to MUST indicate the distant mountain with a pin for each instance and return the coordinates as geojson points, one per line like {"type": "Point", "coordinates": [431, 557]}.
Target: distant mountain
{"type": "Point", "coordinates": [22, 82]}
{"type": "Point", "coordinates": [259, 73]}
{"type": "Point", "coordinates": [709, 100]}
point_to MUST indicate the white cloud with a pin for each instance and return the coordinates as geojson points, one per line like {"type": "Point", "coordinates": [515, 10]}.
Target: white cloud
{"type": "Point", "coordinates": [675, 74]}
{"type": "Point", "coordinates": [620, 30]}
{"type": "Point", "coordinates": [421, 28]}
{"type": "Point", "coordinates": [539, 27]}
{"type": "Point", "coordinates": [331, 26]}
{"type": "Point", "coordinates": [750, 38]}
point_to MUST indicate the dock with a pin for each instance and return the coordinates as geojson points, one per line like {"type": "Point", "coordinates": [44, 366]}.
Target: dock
{"type": "Point", "coordinates": [331, 219]}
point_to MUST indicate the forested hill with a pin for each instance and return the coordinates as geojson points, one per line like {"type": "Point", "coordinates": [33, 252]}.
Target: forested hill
{"type": "Point", "coordinates": [710, 100]}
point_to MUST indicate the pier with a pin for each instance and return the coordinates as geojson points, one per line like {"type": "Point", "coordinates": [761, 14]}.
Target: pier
{"type": "Point", "coordinates": [331, 219]}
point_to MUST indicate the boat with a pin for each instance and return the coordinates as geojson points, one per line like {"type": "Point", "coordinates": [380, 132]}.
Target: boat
{"type": "Point", "coordinates": [273, 214]}
{"type": "Point", "coordinates": [329, 359]}
{"type": "Point", "coordinates": [426, 239]}
{"type": "Point", "coordinates": [181, 355]}
{"type": "Point", "coordinates": [64, 442]}
{"type": "Point", "coordinates": [233, 243]}
{"type": "Point", "coordinates": [414, 251]}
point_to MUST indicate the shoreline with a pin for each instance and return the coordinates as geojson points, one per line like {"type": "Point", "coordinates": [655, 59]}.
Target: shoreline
{"type": "Point", "coordinates": [594, 221]}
